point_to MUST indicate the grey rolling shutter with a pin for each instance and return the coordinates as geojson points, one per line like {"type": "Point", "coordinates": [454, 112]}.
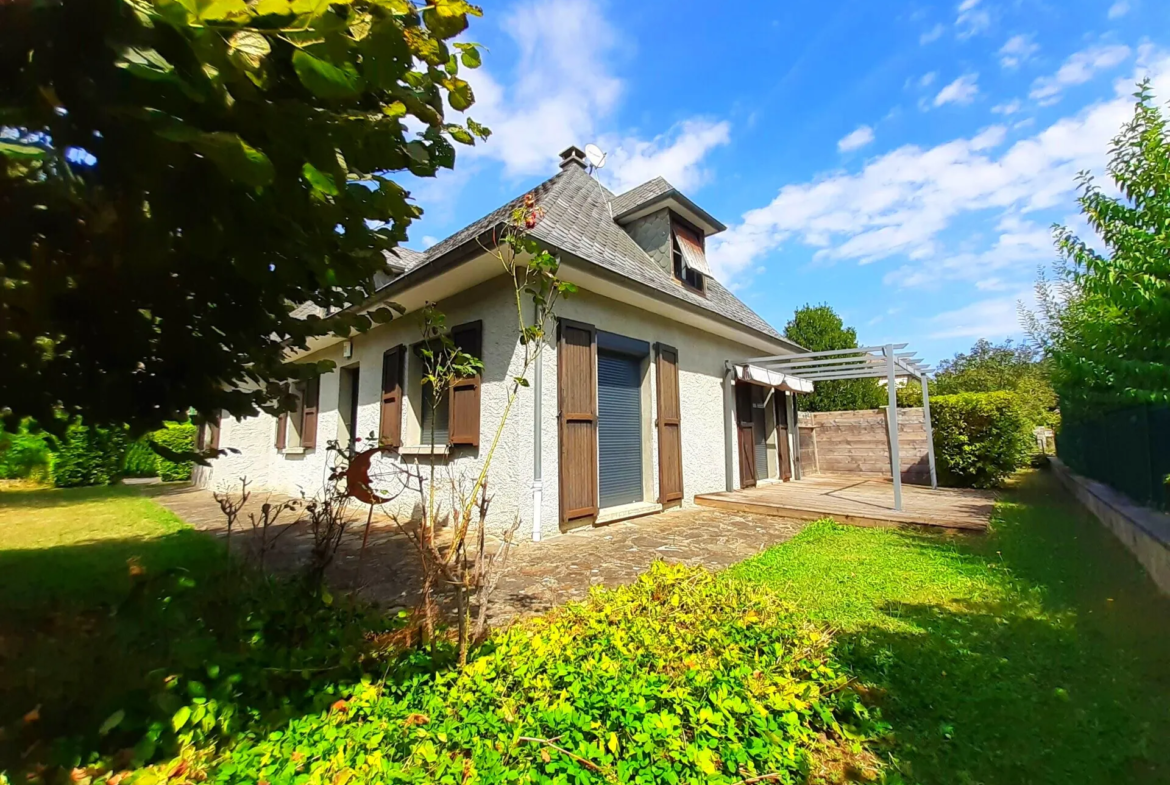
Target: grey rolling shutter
{"type": "Point", "coordinates": [619, 413]}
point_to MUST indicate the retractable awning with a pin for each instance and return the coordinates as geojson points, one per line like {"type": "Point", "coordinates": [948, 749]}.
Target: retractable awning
{"type": "Point", "coordinates": [781, 381]}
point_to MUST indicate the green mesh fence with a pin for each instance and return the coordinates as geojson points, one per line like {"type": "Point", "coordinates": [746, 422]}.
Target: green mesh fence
{"type": "Point", "coordinates": [1127, 449]}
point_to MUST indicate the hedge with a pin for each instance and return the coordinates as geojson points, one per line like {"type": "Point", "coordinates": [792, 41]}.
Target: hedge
{"type": "Point", "coordinates": [89, 456]}
{"type": "Point", "coordinates": [980, 439]}
{"type": "Point", "coordinates": [25, 456]}
{"type": "Point", "coordinates": [179, 437]}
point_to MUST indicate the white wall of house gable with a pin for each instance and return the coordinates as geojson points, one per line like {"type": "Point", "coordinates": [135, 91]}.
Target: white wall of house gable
{"type": "Point", "coordinates": [492, 303]}
{"type": "Point", "coordinates": [701, 368]}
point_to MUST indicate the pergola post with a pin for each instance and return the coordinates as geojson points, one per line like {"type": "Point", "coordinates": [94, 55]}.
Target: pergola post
{"type": "Point", "coordinates": [892, 421]}
{"type": "Point", "coordinates": [729, 426]}
{"type": "Point", "coordinates": [929, 431]}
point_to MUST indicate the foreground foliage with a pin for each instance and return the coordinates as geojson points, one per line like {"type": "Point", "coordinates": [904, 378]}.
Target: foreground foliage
{"type": "Point", "coordinates": [980, 439]}
{"type": "Point", "coordinates": [176, 176]}
{"type": "Point", "coordinates": [1105, 320]}
{"type": "Point", "coordinates": [127, 635]}
{"type": "Point", "coordinates": [1033, 655]}
{"type": "Point", "coordinates": [679, 677]}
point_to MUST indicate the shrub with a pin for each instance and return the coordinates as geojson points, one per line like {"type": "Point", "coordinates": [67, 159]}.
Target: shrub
{"type": "Point", "coordinates": [680, 677]}
{"type": "Point", "coordinates": [179, 437]}
{"type": "Point", "coordinates": [89, 456]}
{"type": "Point", "coordinates": [25, 456]}
{"type": "Point", "coordinates": [979, 438]}
{"type": "Point", "coordinates": [140, 461]}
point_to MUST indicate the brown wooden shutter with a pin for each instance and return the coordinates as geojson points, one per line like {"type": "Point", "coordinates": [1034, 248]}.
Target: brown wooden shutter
{"type": "Point", "coordinates": [390, 426]}
{"type": "Point", "coordinates": [577, 400]}
{"type": "Point", "coordinates": [213, 432]}
{"type": "Point", "coordinates": [309, 406]}
{"type": "Point", "coordinates": [281, 429]}
{"type": "Point", "coordinates": [463, 412]}
{"type": "Point", "coordinates": [670, 471]}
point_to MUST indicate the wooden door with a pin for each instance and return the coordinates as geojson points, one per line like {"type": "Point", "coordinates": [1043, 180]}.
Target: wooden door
{"type": "Point", "coordinates": [745, 425]}
{"type": "Point", "coordinates": [577, 420]}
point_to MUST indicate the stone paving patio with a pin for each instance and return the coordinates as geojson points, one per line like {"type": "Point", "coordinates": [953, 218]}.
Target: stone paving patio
{"type": "Point", "coordinates": [537, 576]}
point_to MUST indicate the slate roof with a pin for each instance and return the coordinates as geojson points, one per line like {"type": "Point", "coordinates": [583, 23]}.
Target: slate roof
{"type": "Point", "coordinates": [640, 194]}
{"type": "Point", "coordinates": [579, 220]}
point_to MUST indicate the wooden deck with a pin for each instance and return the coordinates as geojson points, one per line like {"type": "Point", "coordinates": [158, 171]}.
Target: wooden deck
{"type": "Point", "coordinates": [861, 501]}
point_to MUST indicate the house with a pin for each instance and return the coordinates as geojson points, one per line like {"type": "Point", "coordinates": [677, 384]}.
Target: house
{"type": "Point", "coordinates": [629, 411]}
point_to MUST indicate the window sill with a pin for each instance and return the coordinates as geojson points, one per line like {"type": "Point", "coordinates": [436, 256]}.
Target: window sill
{"type": "Point", "coordinates": [426, 449]}
{"type": "Point", "coordinates": [624, 511]}
{"type": "Point", "coordinates": [293, 451]}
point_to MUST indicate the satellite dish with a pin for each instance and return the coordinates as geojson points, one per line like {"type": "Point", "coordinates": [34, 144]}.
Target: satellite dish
{"type": "Point", "coordinates": [595, 155]}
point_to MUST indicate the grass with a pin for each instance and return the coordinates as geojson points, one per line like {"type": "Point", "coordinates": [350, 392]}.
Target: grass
{"type": "Point", "coordinates": [86, 539]}
{"type": "Point", "coordinates": [1039, 653]}
{"type": "Point", "coordinates": [73, 644]}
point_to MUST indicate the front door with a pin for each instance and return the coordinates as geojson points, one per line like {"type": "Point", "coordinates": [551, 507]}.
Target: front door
{"type": "Point", "coordinates": [745, 425]}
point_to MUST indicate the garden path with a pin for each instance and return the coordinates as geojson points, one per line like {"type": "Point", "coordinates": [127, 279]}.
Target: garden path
{"type": "Point", "coordinates": [537, 575]}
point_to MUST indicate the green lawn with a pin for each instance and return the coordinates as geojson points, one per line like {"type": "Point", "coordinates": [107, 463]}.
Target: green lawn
{"type": "Point", "coordinates": [75, 640]}
{"type": "Point", "coordinates": [72, 549]}
{"type": "Point", "coordinates": [1039, 653]}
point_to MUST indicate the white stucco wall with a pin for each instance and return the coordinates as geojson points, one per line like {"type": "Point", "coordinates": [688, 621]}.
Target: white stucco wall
{"type": "Point", "coordinates": [701, 380]}
{"type": "Point", "coordinates": [701, 363]}
{"type": "Point", "coordinates": [287, 472]}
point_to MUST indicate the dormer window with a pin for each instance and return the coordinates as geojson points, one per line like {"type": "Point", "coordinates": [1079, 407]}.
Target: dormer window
{"type": "Point", "coordinates": [688, 256]}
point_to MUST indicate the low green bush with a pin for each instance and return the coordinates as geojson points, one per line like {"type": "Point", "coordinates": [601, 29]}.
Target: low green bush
{"type": "Point", "coordinates": [681, 677]}
{"type": "Point", "coordinates": [140, 461]}
{"type": "Point", "coordinates": [980, 439]}
{"type": "Point", "coordinates": [89, 456]}
{"type": "Point", "coordinates": [25, 456]}
{"type": "Point", "coordinates": [179, 437]}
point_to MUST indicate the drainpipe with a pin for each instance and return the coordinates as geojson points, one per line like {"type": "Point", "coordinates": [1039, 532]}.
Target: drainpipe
{"type": "Point", "coordinates": [537, 471]}
{"type": "Point", "coordinates": [728, 425]}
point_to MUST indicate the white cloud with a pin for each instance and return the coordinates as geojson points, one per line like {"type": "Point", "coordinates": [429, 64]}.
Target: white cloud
{"type": "Point", "coordinates": [676, 155]}
{"type": "Point", "coordinates": [1078, 69]}
{"type": "Point", "coordinates": [1018, 49]}
{"type": "Point", "coordinates": [972, 19]}
{"type": "Point", "coordinates": [561, 85]}
{"type": "Point", "coordinates": [998, 317]}
{"type": "Point", "coordinates": [1011, 107]}
{"type": "Point", "coordinates": [932, 35]}
{"type": "Point", "coordinates": [927, 79]}
{"type": "Point", "coordinates": [961, 91]}
{"type": "Point", "coordinates": [859, 138]}
{"type": "Point", "coordinates": [1118, 9]}
{"type": "Point", "coordinates": [899, 202]}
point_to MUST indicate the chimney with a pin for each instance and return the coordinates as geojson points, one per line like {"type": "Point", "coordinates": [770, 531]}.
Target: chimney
{"type": "Point", "coordinates": [573, 156]}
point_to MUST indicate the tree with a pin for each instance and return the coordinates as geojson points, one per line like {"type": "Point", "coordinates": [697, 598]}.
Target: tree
{"type": "Point", "coordinates": [1010, 367]}
{"type": "Point", "coordinates": [819, 328]}
{"type": "Point", "coordinates": [1105, 320]}
{"type": "Point", "coordinates": [177, 176]}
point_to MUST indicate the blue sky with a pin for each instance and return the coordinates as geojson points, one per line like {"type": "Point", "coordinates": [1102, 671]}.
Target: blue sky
{"type": "Point", "coordinates": [901, 161]}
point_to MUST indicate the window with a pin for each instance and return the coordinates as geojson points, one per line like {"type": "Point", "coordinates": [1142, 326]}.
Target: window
{"type": "Point", "coordinates": [684, 272]}
{"type": "Point", "coordinates": [453, 419]}
{"type": "Point", "coordinates": [304, 420]}
{"type": "Point", "coordinates": [207, 437]}
{"type": "Point", "coordinates": [435, 418]}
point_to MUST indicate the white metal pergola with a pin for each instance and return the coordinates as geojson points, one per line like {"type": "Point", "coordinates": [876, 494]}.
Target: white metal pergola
{"type": "Point", "coordinates": [867, 362]}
